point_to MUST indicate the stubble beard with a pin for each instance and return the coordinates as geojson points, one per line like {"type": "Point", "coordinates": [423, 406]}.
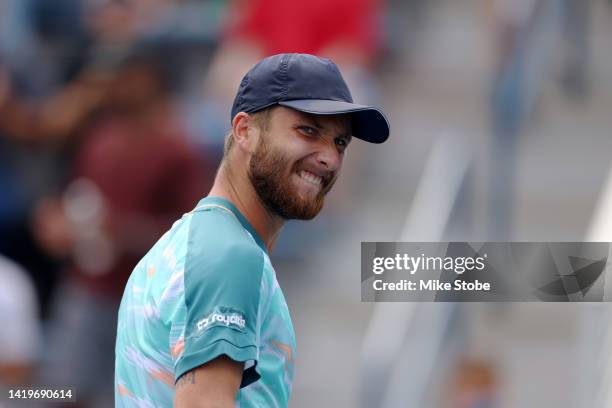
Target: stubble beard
{"type": "Point", "coordinates": [268, 175]}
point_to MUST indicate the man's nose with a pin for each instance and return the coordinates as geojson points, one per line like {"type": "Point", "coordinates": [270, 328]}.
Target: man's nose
{"type": "Point", "coordinates": [329, 156]}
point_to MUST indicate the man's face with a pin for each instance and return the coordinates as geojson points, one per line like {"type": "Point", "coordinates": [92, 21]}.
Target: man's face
{"type": "Point", "coordinates": [297, 161]}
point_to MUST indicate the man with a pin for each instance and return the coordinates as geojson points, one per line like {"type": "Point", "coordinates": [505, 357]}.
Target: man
{"type": "Point", "coordinates": [203, 322]}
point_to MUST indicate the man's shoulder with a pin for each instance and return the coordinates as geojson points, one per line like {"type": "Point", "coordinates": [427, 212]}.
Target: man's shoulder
{"type": "Point", "coordinates": [215, 227]}
{"type": "Point", "coordinates": [208, 236]}
{"type": "Point", "coordinates": [218, 242]}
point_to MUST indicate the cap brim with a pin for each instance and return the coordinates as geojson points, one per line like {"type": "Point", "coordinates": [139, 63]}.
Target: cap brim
{"type": "Point", "coordinates": [369, 123]}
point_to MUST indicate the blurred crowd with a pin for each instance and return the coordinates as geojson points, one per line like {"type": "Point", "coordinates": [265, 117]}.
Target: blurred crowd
{"type": "Point", "coordinates": [113, 115]}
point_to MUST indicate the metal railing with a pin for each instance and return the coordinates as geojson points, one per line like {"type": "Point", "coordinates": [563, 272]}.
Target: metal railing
{"type": "Point", "coordinates": [403, 340]}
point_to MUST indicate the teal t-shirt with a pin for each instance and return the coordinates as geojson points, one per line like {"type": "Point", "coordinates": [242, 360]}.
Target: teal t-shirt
{"type": "Point", "coordinates": [205, 289]}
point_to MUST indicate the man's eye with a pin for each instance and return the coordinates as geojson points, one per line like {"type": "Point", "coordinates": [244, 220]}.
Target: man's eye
{"type": "Point", "coordinates": [308, 130]}
{"type": "Point", "coordinates": [341, 142]}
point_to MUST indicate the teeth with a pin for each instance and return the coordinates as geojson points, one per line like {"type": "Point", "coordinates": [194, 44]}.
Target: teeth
{"type": "Point", "coordinates": [311, 178]}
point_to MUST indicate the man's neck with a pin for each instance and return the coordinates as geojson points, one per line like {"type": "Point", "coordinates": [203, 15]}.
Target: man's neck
{"type": "Point", "coordinates": [240, 192]}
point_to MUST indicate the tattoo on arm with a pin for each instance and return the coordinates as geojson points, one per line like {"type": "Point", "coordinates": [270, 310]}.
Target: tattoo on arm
{"type": "Point", "coordinates": [187, 378]}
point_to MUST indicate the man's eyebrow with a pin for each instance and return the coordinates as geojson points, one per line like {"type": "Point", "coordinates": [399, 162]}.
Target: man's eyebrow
{"type": "Point", "coordinates": [318, 125]}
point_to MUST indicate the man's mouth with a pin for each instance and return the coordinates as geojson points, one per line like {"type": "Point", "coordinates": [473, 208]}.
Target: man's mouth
{"type": "Point", "coordinates": [311, 178]}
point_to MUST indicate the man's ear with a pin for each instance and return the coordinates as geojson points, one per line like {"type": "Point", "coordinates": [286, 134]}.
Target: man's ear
{"type": "Point", "coordinates": [245, 132]}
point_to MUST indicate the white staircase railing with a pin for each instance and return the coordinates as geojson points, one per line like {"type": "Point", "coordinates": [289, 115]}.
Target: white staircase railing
{"type": "Point", "coordinates": [403, 339]}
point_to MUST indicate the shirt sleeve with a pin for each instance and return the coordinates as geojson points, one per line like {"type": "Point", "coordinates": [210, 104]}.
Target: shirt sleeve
{"type": "Point", "coordinates": [223, 275]}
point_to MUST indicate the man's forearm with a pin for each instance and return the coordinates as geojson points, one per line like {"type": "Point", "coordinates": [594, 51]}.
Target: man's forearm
{"type": "Point", "coordinates": [212, 385]}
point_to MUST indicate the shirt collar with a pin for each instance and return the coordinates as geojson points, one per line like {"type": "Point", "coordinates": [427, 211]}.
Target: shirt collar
{"type": "Point", "coordinates": [231, 207]}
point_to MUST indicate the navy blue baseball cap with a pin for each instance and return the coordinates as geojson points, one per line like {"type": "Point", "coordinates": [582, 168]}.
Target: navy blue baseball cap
{"type": "Point", "coordinates": [310, 84]}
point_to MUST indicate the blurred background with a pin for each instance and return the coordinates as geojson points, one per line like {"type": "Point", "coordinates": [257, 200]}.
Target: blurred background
{"type": "Point", "coordinates": [112, 120]}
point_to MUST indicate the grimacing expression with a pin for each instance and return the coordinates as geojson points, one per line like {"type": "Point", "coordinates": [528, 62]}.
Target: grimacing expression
{"type": "Point", "coordinates": [297, 161]}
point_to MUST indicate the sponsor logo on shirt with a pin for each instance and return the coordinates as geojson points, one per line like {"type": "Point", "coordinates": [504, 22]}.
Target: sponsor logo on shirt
{"type": "Point", "coordinates": [222, 316]}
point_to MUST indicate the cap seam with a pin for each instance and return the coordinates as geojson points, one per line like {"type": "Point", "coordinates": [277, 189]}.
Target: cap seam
{"type": "Point", "coordinates": [284, 68]}
{"type": "Point", "coordinates": [239, 105]}
{"type": "Point", "coordinates": [245, 82]}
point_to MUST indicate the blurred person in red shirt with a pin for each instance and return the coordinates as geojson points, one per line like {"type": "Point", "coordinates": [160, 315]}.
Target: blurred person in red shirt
{"type": "Point", "coordinates": [134, 173]}
{"type": "Point", "coordinates": [347, 31]}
